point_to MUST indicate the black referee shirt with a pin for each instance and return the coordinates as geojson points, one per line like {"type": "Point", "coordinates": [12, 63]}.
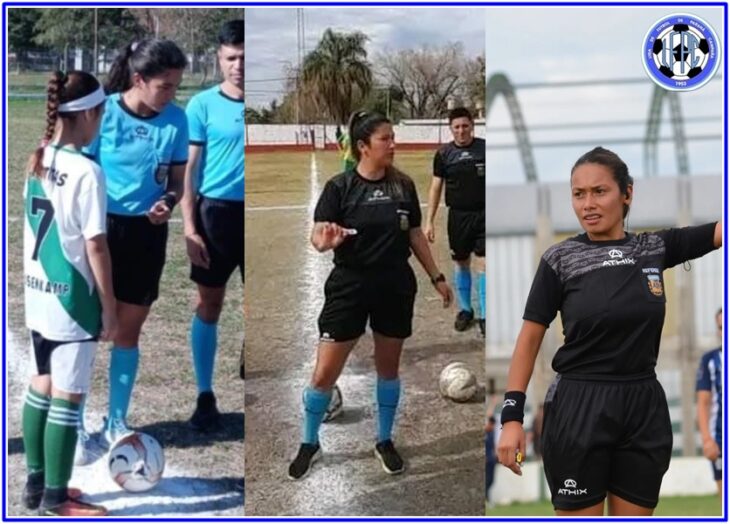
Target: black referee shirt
{"type": "Point", "coordinates": [611, 297]}
{"type": "Point", "coordinates": [382, 212]}
{"type": "Point", "coordinates": [463, 170]}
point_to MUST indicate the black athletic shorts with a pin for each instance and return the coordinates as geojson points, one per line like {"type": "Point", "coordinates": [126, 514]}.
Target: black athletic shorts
{"type": "Point", "coordinates": [138, 255]}
{"type": "Point", "coordinates": [220, 224]}
{"type": "Point", "coordinates": [466, 233]}
{"type": "Point", "coordinates": [385, 296]}
{"type": "Point", "coordinates": [602, 435]}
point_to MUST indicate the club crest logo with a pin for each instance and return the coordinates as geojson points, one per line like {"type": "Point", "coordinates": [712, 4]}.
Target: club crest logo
{"type": "Point", "coordinates": [403, 221]}
{"type": "Point", "coordinates": [655, 285]}
{"type": "Point", "coordinates": [681, 52]}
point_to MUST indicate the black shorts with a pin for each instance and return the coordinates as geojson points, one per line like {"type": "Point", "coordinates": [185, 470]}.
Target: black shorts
{"type": "Point", "coordinates": [220, 224]}
{"type": "Point", "coordinates": [604, 436]}
{"type": "Point", "coordinates": [385, 296]}
{"type": "Point", "coordinates": [138, 256]}
{"type": "Point", "coordinates": [466, 233]}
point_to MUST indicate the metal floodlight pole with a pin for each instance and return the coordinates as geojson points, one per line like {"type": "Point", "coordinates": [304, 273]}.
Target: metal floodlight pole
{"type": "Point", "coordinates": [96, 41]}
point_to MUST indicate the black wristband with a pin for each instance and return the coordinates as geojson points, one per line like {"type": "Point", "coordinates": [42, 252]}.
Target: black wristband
{"type": "Point", "coordinates": [438, 278]}
{"type": "Point", "coordinates": [513, 407]}
{"type": "Point", "coordinates": [170, 200]}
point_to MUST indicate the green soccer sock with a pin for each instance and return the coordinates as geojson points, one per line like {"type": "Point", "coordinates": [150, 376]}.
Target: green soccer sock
{"type": "Point", "coordinates": [60, 442]}
{"type": "Point", "coordinates": [35, 412]}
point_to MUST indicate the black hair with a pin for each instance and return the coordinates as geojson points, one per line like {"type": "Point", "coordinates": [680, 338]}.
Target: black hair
{"type": "Point", "coordinates": [618, 168]}
{"type": "Point", "coordinates": [360, 128]}
{"type": "Point", "coordinates": [492, 420]}
{"type": "Point", "coordinates": [460, 112]}
{"type": "Point", "coordinates": [232, 33]}
{"type": "Point", "coordinates": [149, 58]}
{"type": "Point", "coordinates": [61, 88]}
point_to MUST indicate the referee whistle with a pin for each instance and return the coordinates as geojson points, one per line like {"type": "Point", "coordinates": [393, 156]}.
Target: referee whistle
{"type": "Point", "coordinates": [350, 231]}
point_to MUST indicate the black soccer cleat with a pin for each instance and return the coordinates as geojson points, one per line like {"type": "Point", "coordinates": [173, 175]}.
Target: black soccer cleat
{"type": "Point", "coordinates": [483, 327]}
{"type": "Point", "coordinates": [463, 320]}
{"type": "Point", "coordinates": [301, 465]}
{"type": "Point", "coordinates": [33, 490]}
{"type": "Point", "coordinates": [389, 458]}
{"type": "Point", "coordinates": [206, 416]}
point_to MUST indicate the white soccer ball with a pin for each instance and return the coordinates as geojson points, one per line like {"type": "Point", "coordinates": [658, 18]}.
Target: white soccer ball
{"type": "Point", "coordinates": [335, 406]}
{"type": "Point", "coordinates": [457, 382]}
{"type": "Point", "coordinates": [136, 462]}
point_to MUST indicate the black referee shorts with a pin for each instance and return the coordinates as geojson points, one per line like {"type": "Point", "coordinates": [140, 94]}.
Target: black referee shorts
{"type": "Point", "coordinates": [137, 249]}
{"type": "Point", "coordinates": [220, 224]}
{"type": "Point", "coordinates": [385, 296]}
{"type": "Point", "coordinates": [604, 436]}
{"type": "Point", "coordinates": [466, 233]}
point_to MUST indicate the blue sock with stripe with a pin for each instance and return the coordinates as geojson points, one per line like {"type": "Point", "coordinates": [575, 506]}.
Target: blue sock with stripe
{"type": "Point", "coordinates": [462, 283]}
{"type": "Point", "coordinates": [482, 290]}
{"type": "Point", "coordinates": [387, 395]}
{"type": "Point", "coordinates": [203, 342]}
{"type": "Point", "coordinates": [122, 374]}
{"type": "Point", "coordinates": [315, 405]}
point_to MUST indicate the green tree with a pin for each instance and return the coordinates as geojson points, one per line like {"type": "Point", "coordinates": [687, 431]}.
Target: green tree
{"type": "Point", "coordinates": [21, 32]}
{"type": "Point", "coordinates": [337, 73]}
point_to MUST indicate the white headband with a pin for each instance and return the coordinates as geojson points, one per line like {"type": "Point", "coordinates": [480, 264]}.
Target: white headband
{"type": "Point", "coordinates": [83, 103]}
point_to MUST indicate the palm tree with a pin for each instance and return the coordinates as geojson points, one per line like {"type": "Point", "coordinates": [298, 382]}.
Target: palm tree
{"type": "Point", "coordinates": [337, 73]}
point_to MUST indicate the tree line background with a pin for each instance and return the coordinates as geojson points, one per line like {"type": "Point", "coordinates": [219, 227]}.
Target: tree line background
{"type": "Point", "coordinates": [43, 39]}
{"type": "Point", "coordinates": [338, 77]}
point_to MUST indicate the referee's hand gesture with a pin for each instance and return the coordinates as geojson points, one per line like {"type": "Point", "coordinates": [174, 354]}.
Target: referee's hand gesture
{"type": "Point", "coordinates": [511, 441]}
{"type": "Point", "coordinates": [328, 235]}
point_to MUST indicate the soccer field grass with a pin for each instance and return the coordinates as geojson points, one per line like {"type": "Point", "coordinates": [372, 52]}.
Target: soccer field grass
{"type": "Point", "coordinates": [202, 467]}
{"type": "Point", "coordinates": [710, 505]}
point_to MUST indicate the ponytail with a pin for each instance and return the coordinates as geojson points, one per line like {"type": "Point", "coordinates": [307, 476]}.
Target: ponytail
{"type": "Point", "coordinates": [119, 78]}
{"type": "Point", "coordinates": [148, 58]}
{"type": "Point", "coordinates": [55, 92]}
{"type": "Point", "coordinates": [62, 88]}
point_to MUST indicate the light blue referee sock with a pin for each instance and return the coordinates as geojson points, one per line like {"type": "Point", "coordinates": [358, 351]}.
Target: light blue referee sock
{"type": "Point", "coordinates": [387, 395]}
{"type": "Point", "coordinates": [482, 290]}
{"type": "Point", "coordinates": [315, 404]}
{"type": "Point", "coordinates": [122, 374]}
{"type": "Point", "coordinates": [462, 283]}
{"type": "Point", "coordinates": [204, 342]}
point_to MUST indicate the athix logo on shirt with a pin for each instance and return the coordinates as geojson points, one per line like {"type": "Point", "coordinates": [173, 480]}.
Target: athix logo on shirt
{"type": "Point", "coordinates": [571, 488]}
{"type": "Point", "coordinates": [378, 195]}
{"type": "Point", "coordinates": [142, 133]}
{"type": "Point", "coordinates": [617, 259]}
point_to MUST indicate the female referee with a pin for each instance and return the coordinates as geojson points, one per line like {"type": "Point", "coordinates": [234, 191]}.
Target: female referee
{"type": "Point", "coordinates": [69, 300]}
{"type": "Point", "coordinates": [370, 216]}
{"type": "Point", "coordinates": [606, 430]}
{"type": "Point", "coordinates": [143, 148]}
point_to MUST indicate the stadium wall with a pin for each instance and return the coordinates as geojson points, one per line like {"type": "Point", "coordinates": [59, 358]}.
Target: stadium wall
{"type": "Point", "coordinates": [409, 134]}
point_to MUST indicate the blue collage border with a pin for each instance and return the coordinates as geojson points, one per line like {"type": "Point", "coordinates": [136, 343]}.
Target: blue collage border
{"type": "Point", "coordinates": [439, 3]}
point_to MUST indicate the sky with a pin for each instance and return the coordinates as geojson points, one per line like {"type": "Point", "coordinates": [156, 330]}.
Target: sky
{"type": "Point", "coordinates": [556, 44]}
{"type": "Point", "coordinates": [271, 36]}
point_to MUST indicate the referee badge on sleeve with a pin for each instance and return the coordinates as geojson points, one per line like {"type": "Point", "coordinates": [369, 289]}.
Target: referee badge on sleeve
{"type": "Point", "coordinates": [163, 171]}
{"type": "Point", "coordinates": [655, 285]}
{"type": "Point", "coordinates": [403, 221]}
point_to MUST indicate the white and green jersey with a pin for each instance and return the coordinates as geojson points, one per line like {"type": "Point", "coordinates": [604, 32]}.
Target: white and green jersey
{"type": "Point", "coordinates": [62, 210]}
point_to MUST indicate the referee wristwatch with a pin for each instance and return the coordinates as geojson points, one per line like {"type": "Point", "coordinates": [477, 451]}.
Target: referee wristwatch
{"type": "Point", "coordinates": [438, 278]}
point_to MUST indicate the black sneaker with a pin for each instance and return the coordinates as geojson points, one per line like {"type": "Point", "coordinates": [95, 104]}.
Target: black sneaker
{"type": "Point", "coordinates": [206, 416]}
{"type": "Point", "coordinates": [463, 320]}
{"type": "Point", "coordinates": [482, 327]}
{"type": "Point", "coordinates": [300, 466]}
{"type": "Point", "coordinates": [389, 457]}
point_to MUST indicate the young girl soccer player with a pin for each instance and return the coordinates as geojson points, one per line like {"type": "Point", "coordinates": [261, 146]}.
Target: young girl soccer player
{"type": "Point", "coordinates": [69, 301]}
{"type": "Point", "coordinates": [371, 218]}
{"type": "Point", "coordinates": [606, 427]}
{"type": "Point", "coordinates": [142, 148]}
